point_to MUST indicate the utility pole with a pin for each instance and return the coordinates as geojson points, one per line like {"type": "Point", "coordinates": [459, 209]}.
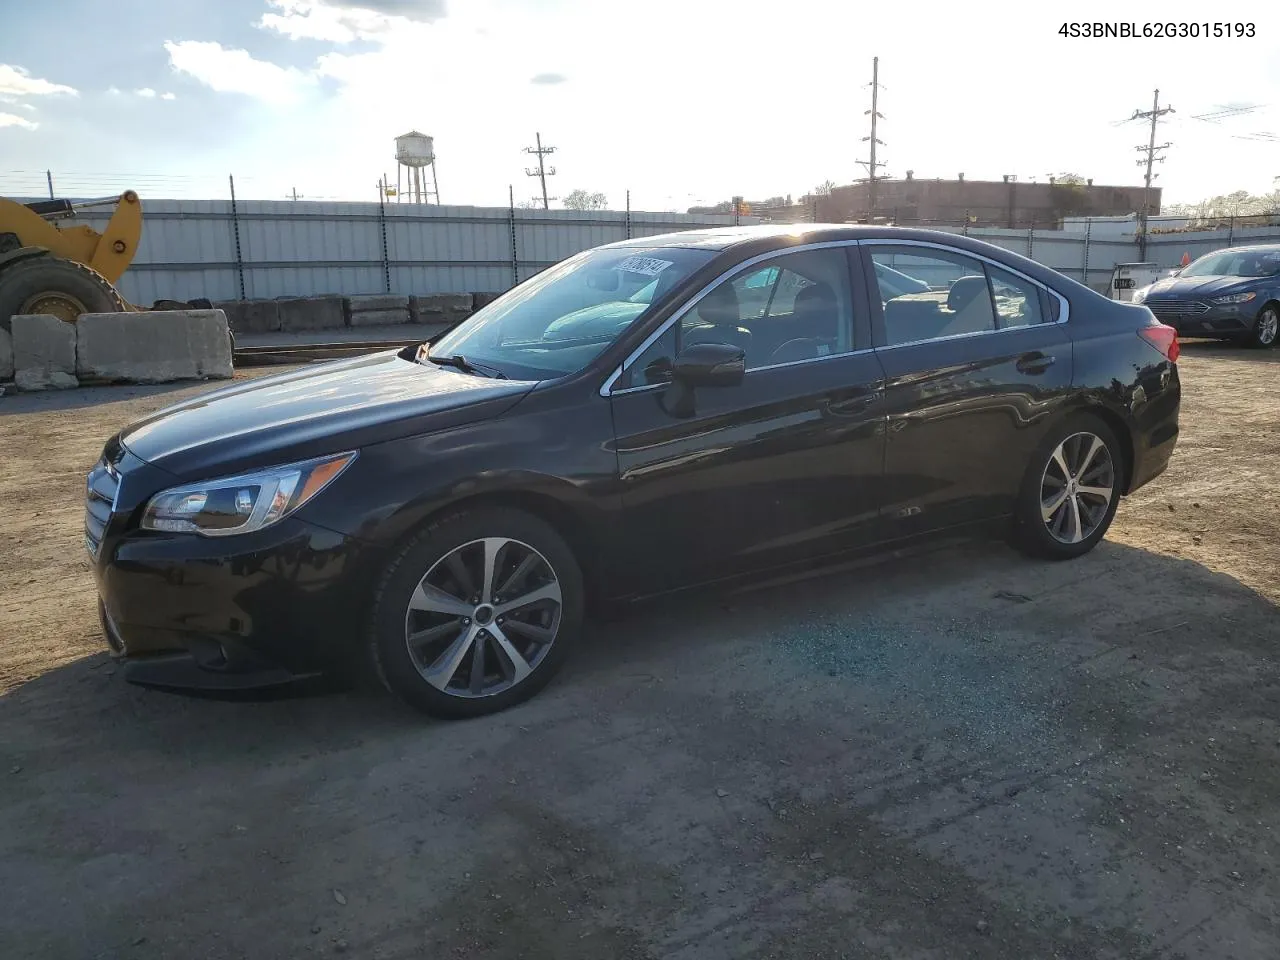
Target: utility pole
{"type": "Point", "coordinates": [543, 170]}
{"type": "Point", "coordinates": [1154, 115]}
{"type": "Point", "coordinates": [871, 165]}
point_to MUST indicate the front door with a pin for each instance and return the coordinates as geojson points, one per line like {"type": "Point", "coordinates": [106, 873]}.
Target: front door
{"type": "Point", "coordinates": [782, 467]}
{"type": "Point", "coordinates": [975, 362]}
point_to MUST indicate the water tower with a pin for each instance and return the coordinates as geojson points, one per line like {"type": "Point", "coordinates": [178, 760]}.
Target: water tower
{"type": "Point", "coordinates": [416, 151]}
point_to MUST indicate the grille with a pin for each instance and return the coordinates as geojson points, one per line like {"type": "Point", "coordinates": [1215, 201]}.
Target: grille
{"type": "Point", "coordinates": [1177, 309]}
{"type": "Point", "coordinates": [99, 501]}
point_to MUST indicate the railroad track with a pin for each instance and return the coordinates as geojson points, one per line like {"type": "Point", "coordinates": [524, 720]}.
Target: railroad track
{"type": "Point", "coordinates": [272, 354]}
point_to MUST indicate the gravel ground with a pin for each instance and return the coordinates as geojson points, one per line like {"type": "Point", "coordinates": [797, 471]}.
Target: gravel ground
{"type": "Point", "coordinates": [956, 754]}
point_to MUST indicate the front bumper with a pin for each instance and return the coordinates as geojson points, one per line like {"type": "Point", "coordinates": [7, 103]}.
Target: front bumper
{"type": "Point", "coordinates": [1198, 318]}
{"type": "Point", "coordinates": [265, 609]}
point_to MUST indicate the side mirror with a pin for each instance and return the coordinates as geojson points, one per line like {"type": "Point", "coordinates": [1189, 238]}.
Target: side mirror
{"type": "Point", "coordinates": [710, 365]}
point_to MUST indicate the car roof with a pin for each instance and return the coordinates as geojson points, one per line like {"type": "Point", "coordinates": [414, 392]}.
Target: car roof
{"type": "Point", "coordinates": [751, 240]}
{"type": "Point", "coordinates": [722, 238]}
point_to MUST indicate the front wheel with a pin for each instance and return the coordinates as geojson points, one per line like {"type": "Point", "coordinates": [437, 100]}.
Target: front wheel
{"type": "Point", "coordinates": [477, 613]}
{"type": "Point", "coordinates": [1071, 490]}
{"type": "Point", "coordinates": [1266, 328]}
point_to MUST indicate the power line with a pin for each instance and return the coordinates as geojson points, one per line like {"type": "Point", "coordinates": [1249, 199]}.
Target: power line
{"type": "Point", "coordinates": [1220, 113]}
{"type": "Point", "coordinates": [871, 165]}
{"type": "Point", "coordinates": [1154, 115]}
{"type": "Point", "coordinates": [543, 170]}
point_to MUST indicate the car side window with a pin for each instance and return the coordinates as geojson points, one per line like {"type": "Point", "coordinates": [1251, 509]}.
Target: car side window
{"type": "Point", "coordinates": [1017, 301]}
{"type": "Point", "coordinates": [794, 307]}
{"type": "Point", "coordinates": [946, 294]}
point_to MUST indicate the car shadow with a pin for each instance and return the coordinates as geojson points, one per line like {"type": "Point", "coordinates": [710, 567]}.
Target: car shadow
{"type": "Point", "coordinates": [1158, 608]}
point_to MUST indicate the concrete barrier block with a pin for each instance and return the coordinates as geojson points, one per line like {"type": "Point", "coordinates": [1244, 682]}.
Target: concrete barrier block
{"type": "Point", "coordinates": [251, 316]}
{"type": "Point", "coordinates": [484, 299]}
{"type": "Point", "coordinates": [6, 354]}
{"type": "Point", "coordinates": [379, 318]}
{"type": "Point", "coordinates": [312, 313]}
{"type": "Point", "coordinates": [44, 352]}
{"type": "Point", "coordinates": [153, 346]}
{"type": "Point", "coordinates": [447, 308]}
{"type": "Point", "coordinates": [378, 310]}
{"type": "Point", "coordinates": [378, 301]}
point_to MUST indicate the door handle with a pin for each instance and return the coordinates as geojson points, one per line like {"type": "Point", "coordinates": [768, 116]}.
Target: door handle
{"type": "Point", "coordinates": [1035, 362]}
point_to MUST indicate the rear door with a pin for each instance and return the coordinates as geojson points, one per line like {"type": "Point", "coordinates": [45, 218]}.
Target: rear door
{"type": "Point", "coordinates": [974, 366]}
{"type": "Point", "coordinates": [784, 466]}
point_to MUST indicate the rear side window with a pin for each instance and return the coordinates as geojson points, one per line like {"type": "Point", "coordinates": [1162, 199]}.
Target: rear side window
{"type": "Point", "coordinates": [934, 294]}
{"type": "Point", "coordinates": [1017, 301]}
{"type": "Point", "coordinates": [931, 294]}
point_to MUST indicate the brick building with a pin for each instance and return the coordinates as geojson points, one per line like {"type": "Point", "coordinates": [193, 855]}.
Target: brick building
{"type": "Point", "coordinates": [988, 203]}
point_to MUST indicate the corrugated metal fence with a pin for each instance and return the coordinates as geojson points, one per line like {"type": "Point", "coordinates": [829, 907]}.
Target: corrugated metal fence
{"type": "Point", "coordinates": [267, 249]}
{"type": "Point", "coordinates": [1090, 259]}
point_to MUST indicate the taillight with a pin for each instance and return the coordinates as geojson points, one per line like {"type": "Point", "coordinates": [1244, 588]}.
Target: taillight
{"type": "Point", "coordinates": [1164, 338]}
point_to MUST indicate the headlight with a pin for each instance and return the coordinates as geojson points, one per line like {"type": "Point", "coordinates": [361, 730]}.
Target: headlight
{"type": "Point", "coordinates": [1235, 298]}
{"type": "Point", "coordinates": [244, 503]}
{"type": "Point", "coordinates": [1141, 293]}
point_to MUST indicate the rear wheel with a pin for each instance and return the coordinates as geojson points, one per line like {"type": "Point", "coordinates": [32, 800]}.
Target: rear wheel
{"type": "Point", "coordinates": [477, 613]}
{"type": "Point", "coordinates": [1071, 490]}
{"type": "Point", "coordinates": [62, 288]}
{"type": "Point", "coordinates": [1266, 329]}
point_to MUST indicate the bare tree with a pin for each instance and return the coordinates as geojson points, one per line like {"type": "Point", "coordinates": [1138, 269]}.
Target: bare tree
{"type": "Point", "coordinates": [584, 200]}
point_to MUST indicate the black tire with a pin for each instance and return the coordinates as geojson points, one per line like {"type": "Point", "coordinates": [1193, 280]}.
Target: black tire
{"type": "Point", "coordinates": [1266, 328]}
{"type": "Point", "coordinates": [73, 288]}
{"type": "Point", "coordinates": [386, 636]}
{"type": "Point", "coordinates": [1033, 533]}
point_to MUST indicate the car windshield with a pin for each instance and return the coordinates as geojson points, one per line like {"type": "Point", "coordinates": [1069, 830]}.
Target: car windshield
{"type": "Point", "coordinates": [1236, 263]}
{"type": "Point", "coordinates": [560, 320]}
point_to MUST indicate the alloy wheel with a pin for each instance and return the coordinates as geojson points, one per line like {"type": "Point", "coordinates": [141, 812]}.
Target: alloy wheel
{"type": "Point", "coordinates": [1076, 487]}
{"type": "Point", "coordinates": [1268, 326]}
{"type": "Point", "coordinates": [484, 617]}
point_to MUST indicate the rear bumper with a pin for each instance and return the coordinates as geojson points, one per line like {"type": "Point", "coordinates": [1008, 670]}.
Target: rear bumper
{"type": "Point", "coordinates": [1155, 423]}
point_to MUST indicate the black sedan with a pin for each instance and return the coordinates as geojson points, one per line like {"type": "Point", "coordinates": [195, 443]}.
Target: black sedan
{"type": "Point", "coordinates": [1229, 294]}
{"type": "Point", "coordinates": [649, 416]}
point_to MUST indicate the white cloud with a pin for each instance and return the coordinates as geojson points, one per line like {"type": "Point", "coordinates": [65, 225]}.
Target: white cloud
{"type": "Point", "coordinates": [13, 120]}
{"type": "Point", "coordinates": [146, 93]}
{"type": "Point", "coordinates": [235, 71]}
{"type": "Point", "coordinates": [168, 96]}
{"type": "Point", "coordinates": [18, 82]}
{"type": "Point", "coordinates": [114, 91]}
{"type": "Point", "coordinates": [314, 20]}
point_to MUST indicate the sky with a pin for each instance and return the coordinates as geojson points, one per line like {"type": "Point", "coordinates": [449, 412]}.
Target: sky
{"type": "Point", "coordinates": [681, 101]}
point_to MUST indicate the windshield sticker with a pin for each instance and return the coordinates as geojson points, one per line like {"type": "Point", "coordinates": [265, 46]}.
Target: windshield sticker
{"type": "Point", "coordinates": [645, 266]}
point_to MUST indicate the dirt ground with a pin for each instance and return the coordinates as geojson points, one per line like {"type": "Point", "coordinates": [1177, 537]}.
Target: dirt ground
{"type": "Point", "coordinates": [961, 754]}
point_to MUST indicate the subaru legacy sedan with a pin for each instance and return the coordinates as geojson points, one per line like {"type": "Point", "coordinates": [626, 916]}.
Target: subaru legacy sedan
{"type": "Point", "coordinates": [661, 414]}
{"type": "Point", "coordinates": [1231, 294]}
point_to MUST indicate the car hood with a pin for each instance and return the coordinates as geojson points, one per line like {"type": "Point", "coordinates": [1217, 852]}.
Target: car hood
{"type": "Point", "coordinates": [1182, 288]}
{"type": "Point", "coordinates": [321, 409]}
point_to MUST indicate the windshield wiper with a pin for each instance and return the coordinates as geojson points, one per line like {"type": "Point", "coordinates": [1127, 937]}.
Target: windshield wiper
{"type": "Point", "coordinates": [459, 362]}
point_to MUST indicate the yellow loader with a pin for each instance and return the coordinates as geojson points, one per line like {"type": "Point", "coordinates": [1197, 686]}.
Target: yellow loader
{"type": "Point", "coordinates": [65, 271]}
